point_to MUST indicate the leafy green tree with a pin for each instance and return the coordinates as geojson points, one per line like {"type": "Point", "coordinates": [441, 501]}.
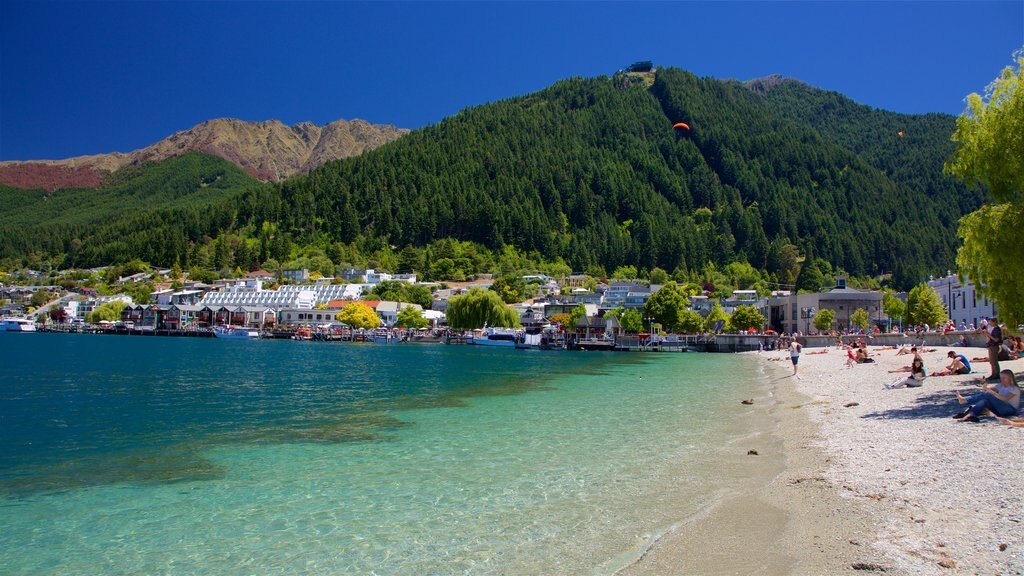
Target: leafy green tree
{"type": "Point", "coordinates": [418, 294]}
{"type": "Point", "coordinates": [512, 289]}
{"type": "Point", "coordinates": [990, 153]}
{"type": "Point", "coordinates": [690, 322]}
{"type": "Point", "coordinates": [411, 317]}
{"type": "Point", "coordinates": [410, 260]}
{"type": "Point", "coordinates": [176, 272]}
{"type": "Point", "coordinates": [358, 315]}
{"type": "Point", "coordinates": [444, 269]}
{"type": "Point", "coordinates": [39, 298]}
{"type": "Point", "coordinates": [478, 308]}
{"type": "Point", "coordinates": [924, 306]}
{"type": "Point", "coordinates": [861, 319]}
{"type": "Point", "coordinates": [810, 278]}
{"type": "Point", "coordinates": [625, 273]}
{"type": "Point", "coordinates": [894, 308]}
{"type": "Point", "coordinates": [747, 317]}
{"type": "Point", "coordinates": [665, 305]}
{"type": "Point", "coordinates": [110, 312]}
{"type": "Point", "coordinates": [717, 313]}
{"type": "Point", "coordinates": [657, 276]}
{"type": "Point", "coordinates": [139, 291]}
{"type": "Point", "coordinates": [631, 320]}
{"type": "Point", "coordinates": [823, 319]}
{"type": "Point", "coordinates": [578, 312]}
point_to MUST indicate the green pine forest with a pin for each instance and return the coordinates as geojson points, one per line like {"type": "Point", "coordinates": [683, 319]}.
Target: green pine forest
{"type": "Point", "coordinates": [586, 175]}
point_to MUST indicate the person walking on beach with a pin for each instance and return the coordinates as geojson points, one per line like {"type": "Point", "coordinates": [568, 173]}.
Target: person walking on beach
{"type": "Point", "coordinates": [1002, 400]}
{"type": "Point", "coordinates": [794, 353]}
{"type": "Point", "coordinates": [995, 341]}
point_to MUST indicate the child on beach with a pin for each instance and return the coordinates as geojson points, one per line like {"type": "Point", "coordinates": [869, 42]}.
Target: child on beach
{"type": "Point", "coordinates": [1002, 400]}
{"type": "Point", "coordinates": [916, 378]}
{"type": "Point", "coordinates": [851, 360]}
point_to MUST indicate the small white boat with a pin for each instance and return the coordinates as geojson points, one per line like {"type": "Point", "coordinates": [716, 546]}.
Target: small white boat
{"type": "Point", "coordinates": [17, 325]}
{"type": "Point", "coordinates": [505, 337]}
{"type": "Point", "coordinates": [236, 333]}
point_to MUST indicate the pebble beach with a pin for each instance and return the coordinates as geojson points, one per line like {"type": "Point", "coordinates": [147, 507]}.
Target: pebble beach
{"type": "Point", "coordinates": [946, 497]}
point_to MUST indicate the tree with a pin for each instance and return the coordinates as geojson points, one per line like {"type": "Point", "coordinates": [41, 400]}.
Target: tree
{"type": "Point", "coordinates": [810, 278]}
{"type": "Point", "coordinates": [657, 276]}
{"type": "Point", "coordinates": [110, 312]}
{"type": "Point", "coordinates": [823, 319]}
{"type": "Point", "coordinates": [861, 319]}
{"type": "Point", "coordinates": [991, 154]}
{"type": "Point", "coordinates": [512, 289]}
{"type": "Point", "coordinates": [747, 317]}
{"type": "Point", "coordinates": [578, 312]}
{"type": "Point", "coordinates": [478, 308]}
{"type": "Point", "coordinates": [560, 318]}
{"type": "Point", "coordinates": [358, 315]}
{"type": "Point", "coordinates": [894, 308]}
{"type": "Point", "coordinates": [625, 273]}
{"type": "Point", "coordinates": [924, 306]}
{"type": "Point", "coordinates": [665, 305]}
{"type": "Point", "coordinates": [411, 317]}
{"type": "Point", "coordinates": [631, 320]}
{"type": "Point", "coordinates": [418, 294]}
{"type": "Point", "coordinates": [39, 298]}
{"type": "Point", "coordinates": [717, 313]}
{"type": "Point", "coordinates": [690, 322]}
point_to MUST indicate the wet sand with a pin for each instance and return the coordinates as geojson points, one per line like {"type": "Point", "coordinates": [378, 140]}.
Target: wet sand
{"type": "Point", "coordinates": [779, 515]}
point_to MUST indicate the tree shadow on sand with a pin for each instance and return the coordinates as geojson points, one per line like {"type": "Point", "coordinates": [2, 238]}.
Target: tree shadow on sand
{"type": "Point", "coordinates": [933, 405]}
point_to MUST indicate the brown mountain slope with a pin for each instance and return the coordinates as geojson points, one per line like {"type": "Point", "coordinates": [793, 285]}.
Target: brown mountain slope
{"type": "Point", "coordinates": [268, 150]}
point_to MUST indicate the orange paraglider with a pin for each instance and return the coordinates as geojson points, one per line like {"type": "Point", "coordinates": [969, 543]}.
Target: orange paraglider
{"type": "Point", "coordinates": [682, 125]}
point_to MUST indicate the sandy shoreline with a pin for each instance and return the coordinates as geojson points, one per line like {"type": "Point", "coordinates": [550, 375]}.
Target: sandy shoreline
{"type": "Point", "coordinates": [890, 483]}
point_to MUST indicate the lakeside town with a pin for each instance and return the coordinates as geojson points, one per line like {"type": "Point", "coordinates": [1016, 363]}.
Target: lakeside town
{"type": "Point", "coordinates": [576, 311]}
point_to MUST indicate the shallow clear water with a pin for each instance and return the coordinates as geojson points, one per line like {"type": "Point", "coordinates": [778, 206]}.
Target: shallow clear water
{"type": "Point", "coordinates": [127, 455]}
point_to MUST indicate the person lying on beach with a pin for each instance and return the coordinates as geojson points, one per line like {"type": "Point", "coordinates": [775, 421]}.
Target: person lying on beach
{"type": "Point", "coordinates": [959, 365]}
{"type": "Point", "coordinates": [1002, 399]}
{"type": "Point", "coordinates": [1015, 422]}
{"type": "Point", "coordinates": [825, 351]}
{"type": "Point", "coordinates": [916, 378]}
{"type": "Point", "coordinates": [904, 350]}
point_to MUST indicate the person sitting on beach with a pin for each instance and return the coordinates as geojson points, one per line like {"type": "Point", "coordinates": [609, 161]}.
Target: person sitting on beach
{"type": "Point", "coordinates": [862, 355]}
{"type": "Point", "coordinates": [959, 365]}
{"type": "Point", "coordinates": [916, 378]}
{"type": "Point", "coordinates": [1002, 399]}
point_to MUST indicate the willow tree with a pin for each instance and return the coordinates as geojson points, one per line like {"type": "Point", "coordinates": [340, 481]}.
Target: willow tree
{"type": "Point", "coordinates": [478, 308]}
{"type": "Point", "coordinates": [991, 154]}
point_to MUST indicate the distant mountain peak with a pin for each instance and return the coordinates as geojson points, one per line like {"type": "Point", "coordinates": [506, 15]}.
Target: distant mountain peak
{"type": "Point", "coordinates": [268, 150]}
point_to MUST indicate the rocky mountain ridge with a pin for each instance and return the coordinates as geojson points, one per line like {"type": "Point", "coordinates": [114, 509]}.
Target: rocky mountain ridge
{"type": "Point", "coordinates": [269, 150]}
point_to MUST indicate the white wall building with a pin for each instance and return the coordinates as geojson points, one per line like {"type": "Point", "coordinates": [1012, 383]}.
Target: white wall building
{"type": "Point", "coordinates": [963, 303]}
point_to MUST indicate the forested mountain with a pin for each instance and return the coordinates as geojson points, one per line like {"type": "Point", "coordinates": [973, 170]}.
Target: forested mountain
{"type": "Point", "coordinates": [591, 172]}
{"type": "Point", "coordinates": [267, 150]}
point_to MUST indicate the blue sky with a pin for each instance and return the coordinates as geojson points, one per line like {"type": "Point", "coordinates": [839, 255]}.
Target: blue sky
{"type": "Point", "coordinates": [86, 78]}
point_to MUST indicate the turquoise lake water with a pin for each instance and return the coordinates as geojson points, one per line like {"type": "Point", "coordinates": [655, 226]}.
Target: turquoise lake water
{"type": "Point", "coordinates": [132, 455]}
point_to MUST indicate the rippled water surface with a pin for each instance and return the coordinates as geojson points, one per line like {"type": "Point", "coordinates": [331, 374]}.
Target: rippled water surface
{"type": "Point", "coordinates": [127, 455]}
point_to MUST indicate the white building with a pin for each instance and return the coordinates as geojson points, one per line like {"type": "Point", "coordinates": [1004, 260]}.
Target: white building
{"type": "Point", "coordinates": [963, 303]}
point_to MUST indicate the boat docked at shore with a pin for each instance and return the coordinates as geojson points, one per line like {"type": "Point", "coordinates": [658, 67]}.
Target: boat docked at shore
{"type": "Point", "coordinates": [17, 325]}
{"type": "Point", "coordinates": [505, 337]}
{"type": "Point", "coordinates": [236, 333]}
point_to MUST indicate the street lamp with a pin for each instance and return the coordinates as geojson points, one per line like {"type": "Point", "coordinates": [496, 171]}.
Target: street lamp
{"type": "Point", "coordinates": [650, 336]}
